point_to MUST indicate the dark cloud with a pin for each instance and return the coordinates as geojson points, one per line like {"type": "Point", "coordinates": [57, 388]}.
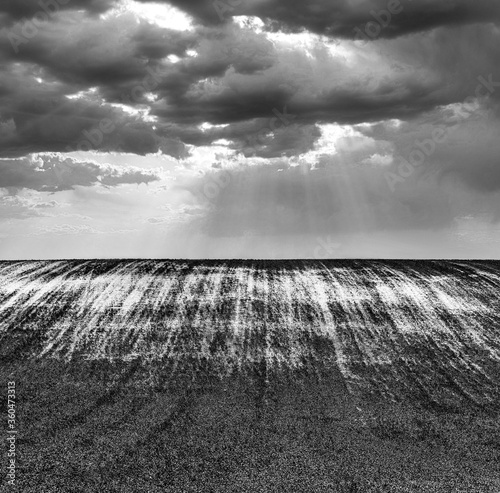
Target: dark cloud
{"type": "Point", "coordinates": [286, 140]}
{"type": "Point", "coordinates": [50, 174]}
{"type": "Point", "coordinates": [82, 73]}
{"type": "Point", "coordinates": [90, 52]}
{"type": "Point", "coordinates": [90, 58]}
{"type": "Point", "coordinates": [238, 77]}
{"type": "Point", "coordinates": [37, 117]}
{"type": "Point", "coordinates": [17, 9]}
{"type": "Point", "coordinates": [262, 137]}
{"type": "Point", "coordinates": [340, 18]}
{"type": "Point", "coordinates": [403, 79]}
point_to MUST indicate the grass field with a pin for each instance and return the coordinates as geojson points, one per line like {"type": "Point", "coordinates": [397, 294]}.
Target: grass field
{"type": "Point", "coordinates": [290, 376]}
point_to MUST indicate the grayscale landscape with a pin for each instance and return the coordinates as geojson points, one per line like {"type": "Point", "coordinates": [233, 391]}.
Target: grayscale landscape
{"type": "Point", "coordinates": [170, 376]}
{"type": "Point", "coordinates": [250, 246]}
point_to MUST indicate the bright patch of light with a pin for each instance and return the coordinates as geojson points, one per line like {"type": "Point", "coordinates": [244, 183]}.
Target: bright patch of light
{"type": "Point", "coordinates": [299, 40]}
{"type": "Point", "coordinates": [127, 109]}
{"type": "Point", "coordinates": [338, 48]}
{"type": "Point", "coordinates": [249, 22]}
{"type": "Point", "coordinates": [207, 126]}
{"type": "Point", "coordinates": [39, 80]}
{"type": "Point", "coordinates": [331, 133]}
{"type": "Point", "coordinates": [161, 14]}
{"type": "Point", "coordinates": [203, 157]}
{"type": "Point", "coordinates": [173, 59]}
{"type": "Point", "coordinates": [143, 113]}
{"type": "Point", "coordinates": [222, 142]}
{"type": "Point", "coordinates": [151, 97]}
{"type": "Point", "coordinates": [82, 94]}
{"type": "Point", "coordinates": [192, 53]}
{"type": "Point", "coordinates": [365, 125]}
{"type": "Point", "coordinates": [311, 44]}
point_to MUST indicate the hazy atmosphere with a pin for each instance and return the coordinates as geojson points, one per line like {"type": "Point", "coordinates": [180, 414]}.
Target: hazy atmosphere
{"type": "Point", "coordinates": [249, 128]}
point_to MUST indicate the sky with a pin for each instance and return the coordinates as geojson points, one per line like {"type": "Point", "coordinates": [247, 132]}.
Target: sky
{"type": "Point", "coordinates": [249, 129]}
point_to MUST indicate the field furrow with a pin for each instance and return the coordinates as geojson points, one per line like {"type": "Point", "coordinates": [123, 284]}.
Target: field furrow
{"type": "Point", "coordinates": [430, 329]}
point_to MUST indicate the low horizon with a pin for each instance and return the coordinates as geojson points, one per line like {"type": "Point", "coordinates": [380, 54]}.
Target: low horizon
{"type": "Point", "coordinates": [268, 129]}
{"type": "Point", "coordinates": [249, 259]}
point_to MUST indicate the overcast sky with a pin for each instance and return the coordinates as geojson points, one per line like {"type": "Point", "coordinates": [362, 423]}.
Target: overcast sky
{"type": "Point", "coordinates": [249, 128]}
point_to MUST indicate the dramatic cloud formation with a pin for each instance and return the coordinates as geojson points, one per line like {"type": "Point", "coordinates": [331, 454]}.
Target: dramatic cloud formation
{"type": "Point", "coordinates": [340, 18]}
{"type": "Point", "coordinates": [49, 173]}
{"type": "Point", "coordinates": [265, 119]}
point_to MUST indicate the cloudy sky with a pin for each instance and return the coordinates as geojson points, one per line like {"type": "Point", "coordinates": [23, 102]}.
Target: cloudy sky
{"type": "Point", "coordinates": [249, 128]}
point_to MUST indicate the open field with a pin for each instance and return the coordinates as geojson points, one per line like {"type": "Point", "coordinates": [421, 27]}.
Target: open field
{"type": "Point", "coordinates": [253, 375]}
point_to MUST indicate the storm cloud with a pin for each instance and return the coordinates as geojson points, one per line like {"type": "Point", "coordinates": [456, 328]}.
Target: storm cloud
{"type": "Point", "coordinates": [340, 18]}
{"type": "Point", "coordinates": [403, 96]}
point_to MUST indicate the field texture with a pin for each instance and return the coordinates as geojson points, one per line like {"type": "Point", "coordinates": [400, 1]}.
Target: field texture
{"type": "Point", "coordinates": [319, 376]}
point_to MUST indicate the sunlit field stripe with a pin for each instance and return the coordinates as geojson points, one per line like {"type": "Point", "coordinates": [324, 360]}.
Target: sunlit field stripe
{"type": "Point", "coordinates": [381, 323]}
{"type": "Point", "coordinates": [320, 293]}
{"type": "Point", "coordinates": [238, 318]}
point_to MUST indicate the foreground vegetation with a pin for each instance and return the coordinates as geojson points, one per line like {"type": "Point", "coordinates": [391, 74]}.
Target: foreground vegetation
{"type": "Point", "coordinates": [248, 376]}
